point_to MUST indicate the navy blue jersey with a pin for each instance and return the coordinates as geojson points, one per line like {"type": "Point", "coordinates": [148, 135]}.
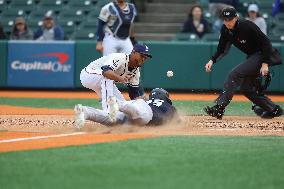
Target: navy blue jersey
{"type": "Point", "coordinates": [163, 111]}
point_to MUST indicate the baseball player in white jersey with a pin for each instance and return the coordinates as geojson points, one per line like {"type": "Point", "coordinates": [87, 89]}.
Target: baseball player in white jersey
{"type": "Point", "coordinates": [101, 74]}
{"type": "Point", "coordinates": [115, 27]}
{"type": "Point", "coordinates": [158, 110]}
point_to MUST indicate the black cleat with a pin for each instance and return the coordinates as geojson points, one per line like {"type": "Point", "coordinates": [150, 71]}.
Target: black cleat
{"type": "Point", "coordinates": [215, 111]}
{"type": "Point", "coordinates": [276, 113]}
{"type": "Point", "coordinates": [257, 110]}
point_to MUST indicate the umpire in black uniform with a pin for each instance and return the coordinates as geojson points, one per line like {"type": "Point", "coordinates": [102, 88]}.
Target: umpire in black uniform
{"type": "Point", "coordinates": [248, 38]}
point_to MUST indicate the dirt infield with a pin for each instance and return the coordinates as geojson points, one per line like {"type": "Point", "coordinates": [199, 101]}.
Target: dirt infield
{"type": "Point", "coordinates": [24, 128]}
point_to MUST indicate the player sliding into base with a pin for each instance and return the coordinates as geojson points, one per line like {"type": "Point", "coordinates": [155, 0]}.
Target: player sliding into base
{"type": "Point", "coordinates": [101, 74]}
{"type": "Point", "coordinates": [157, 110]}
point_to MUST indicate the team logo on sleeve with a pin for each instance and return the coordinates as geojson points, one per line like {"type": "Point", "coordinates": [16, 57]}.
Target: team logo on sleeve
{"type": "Point", "coordinates": [115, 63]}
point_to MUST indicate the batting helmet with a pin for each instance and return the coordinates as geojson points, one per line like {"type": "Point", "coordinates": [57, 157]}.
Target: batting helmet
{"type": "Point", "coordinates": [159, 93]}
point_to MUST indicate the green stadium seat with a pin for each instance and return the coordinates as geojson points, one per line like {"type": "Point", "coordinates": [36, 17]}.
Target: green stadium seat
{"type": "Point", "coordinates": [88, 25]}
{"type": "Point", "coordinates": [55, 5]}
{"type": "Point", "coordinates": [3, 5]}
{"type": "Point", "coordinates": [74, 15]}
{"type": "Point", "coordinates": [84, 5]}
{"type": "Point", "coordinates": [186, 37]}
{"type": "Point", "coordinates": [211, 37]}
{"type": "Point", "coordinates": [34, 24]}
{"type": "Point", "coordinates": [69, 27]}
{"type": "Point", "coordinates": [26, 5]}
{"type": "Point", "coordinates": [12, 14]}
{"type": "Point", "coordinates": [38, 15]}
{"type": "Point", "coordinates": [93, 15]}
{"type": "Point", "coordinates": [83, 34]}
{"type": "Point", "coordinates": [276, 38]}
{"type": "Point", "coordinates": [102, 3]}
{"type": "Point", "coordinates": [279, 18]}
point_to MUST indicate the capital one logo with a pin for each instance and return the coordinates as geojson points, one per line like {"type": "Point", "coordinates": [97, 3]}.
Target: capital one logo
{"type": "Point", "coordinates": [57, 65]}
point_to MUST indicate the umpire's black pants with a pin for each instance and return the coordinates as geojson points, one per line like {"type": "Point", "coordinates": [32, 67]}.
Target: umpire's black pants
{"type": "Point", "coordinates": [244, 76]}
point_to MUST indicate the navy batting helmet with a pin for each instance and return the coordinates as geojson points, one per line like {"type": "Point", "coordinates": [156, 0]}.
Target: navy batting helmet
{"type": "Point", "coordinates": [159, 93]}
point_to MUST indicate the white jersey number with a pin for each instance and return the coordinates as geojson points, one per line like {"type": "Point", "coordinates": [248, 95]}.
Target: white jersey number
{"type": "Point", "coordinates": [156, 102]}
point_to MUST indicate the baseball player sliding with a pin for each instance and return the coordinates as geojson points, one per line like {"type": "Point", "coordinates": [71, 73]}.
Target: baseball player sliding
{"type": "Point", "coordinates": [115, 26]}
{"type": "Point", "coordinates": [101, 74]}
{"type": "Point", "coordinates": [156, 111]}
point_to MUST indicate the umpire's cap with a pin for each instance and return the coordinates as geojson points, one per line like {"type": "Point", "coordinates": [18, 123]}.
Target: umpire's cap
{"type": "Point", "coordinates": [159, 93]}
{"type": "Point", "coordinates": [228, 13]}
{"type": "Point", "coordinates": [142, 49]}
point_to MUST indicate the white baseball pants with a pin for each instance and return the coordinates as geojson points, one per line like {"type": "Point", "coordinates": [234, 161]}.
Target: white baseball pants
{"type": "Point", "coordinates": [112, 44]}
{"type": "Point", "coordinates": [103, 86]}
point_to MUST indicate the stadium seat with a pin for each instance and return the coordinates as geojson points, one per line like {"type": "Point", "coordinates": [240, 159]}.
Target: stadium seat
{"type": "Point", "coordinates": [12, 13]}
{"type": "Point", "coordinates": [102, 3]}
{"type": "Point", "coordinates": [276, 38]}
{"type": "Point", "coordinates": [186, 37]}
{"type": "Point", "coordinates": [55, 5]}
{"type": "Point", "coordinates": [93, 15]}
{"type": "Point", "coordinates": [26, 5]}
{"type": "Point", "coordinates": [34, 24]}
{"type": "Point", "coordinates": [74, 15]}
{"type": "Point", "coordinates": [211, 37]}
{"type": "Point", "coordinates": [3, 5]}
{"type": "Point", "coordinates": [84, 5]}
{"type": "Point", "coordinates": [279, 18]}
{"type": "Point", "coordinates": [38, 15]}
{"type": "Point", "coordinates": [88, 25]}
{"type": "Point", "coordinates": [69, 27]}
{"type": "Point", "coordinates": [83, 34]}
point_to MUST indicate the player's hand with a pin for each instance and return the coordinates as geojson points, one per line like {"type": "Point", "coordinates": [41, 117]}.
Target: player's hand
{"type": "Point", "coordinates": [124, 79]}
{"type": "Point", "coordinates": [208, 66]}
{"type": "Point", "coordinates": [99, 47]}
{"type": "Point", "coordinates": [264, 70]}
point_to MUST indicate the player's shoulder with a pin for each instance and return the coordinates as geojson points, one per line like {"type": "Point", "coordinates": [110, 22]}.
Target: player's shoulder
{"type": "Point", "coordinates": [245, 23]}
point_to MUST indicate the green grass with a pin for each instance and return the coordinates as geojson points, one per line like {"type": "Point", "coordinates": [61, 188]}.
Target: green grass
{"type": "Point", "coordinates": [188, 107]}
{"type": "Point", "coordinates": [160, 163]}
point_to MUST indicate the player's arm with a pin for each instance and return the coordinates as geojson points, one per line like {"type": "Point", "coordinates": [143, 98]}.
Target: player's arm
{"type": "Point", "coordinates": [223, 46]}
{"type": "Point", "coordinates": [111, 64]}
{"type": "Point", "coordinates": [265, 45]}
{"type": "Point", "coordinates": [132, 36]}
{"type": "Point", "coordinates": [222, 49]}
{"type": "Point", "coordinates": [110, 74]}
{"type": "Point", "coordinates": [135, 88]}
{"type": "Point", "coordinates": [131, 32]}
{"type": "Point", "coordinates": [102, 20]}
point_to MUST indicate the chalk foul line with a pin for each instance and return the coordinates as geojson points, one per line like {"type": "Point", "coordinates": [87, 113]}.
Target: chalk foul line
{"type": "Point", "coordinates": [41, 137]}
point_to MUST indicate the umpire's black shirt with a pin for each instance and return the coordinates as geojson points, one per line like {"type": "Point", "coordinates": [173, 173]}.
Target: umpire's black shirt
{"type": "Point", "coordinates": [247, 37]}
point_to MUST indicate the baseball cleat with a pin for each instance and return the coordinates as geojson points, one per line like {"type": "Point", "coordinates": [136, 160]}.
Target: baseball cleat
{"type": "Point", "coordinates": [257, 110]}
{"type": "Point", "coordinates": [113, 108]}
{"type": "Point", "coordinates": [215, 111]}
{"type": "Point", "coordinates": [79, 116]}
{"type": "Point", "coordinates": [278, 111]}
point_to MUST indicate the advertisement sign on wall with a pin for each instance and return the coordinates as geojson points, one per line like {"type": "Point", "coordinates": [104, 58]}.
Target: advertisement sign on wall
{"type": "Point", "coordinates": [40, 64]}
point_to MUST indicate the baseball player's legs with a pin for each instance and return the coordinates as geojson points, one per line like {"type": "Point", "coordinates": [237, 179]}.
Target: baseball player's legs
{"type": "Point", "coordinates": [249, 90]}
{"type": "Point", "coordinates": [138, 111]}
{"type": "Point", "coordinates": [101, 116]}
{"type": "Point", "coordinates": [249, 68]}
{"type": "Point", "coordinates": [91, 81]}
{"type": "Point", "coordinates": [126, 45]}
{"type": "Point", "coordinates": [110, 44]}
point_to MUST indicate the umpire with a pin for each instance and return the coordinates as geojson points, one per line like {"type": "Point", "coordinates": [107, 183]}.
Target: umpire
{"type": "Point", "coordinates": [248, 38]}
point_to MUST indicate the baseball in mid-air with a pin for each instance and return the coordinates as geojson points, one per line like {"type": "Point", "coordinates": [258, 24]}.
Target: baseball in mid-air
{"type": "Point", "coordinates": [170, 73]}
